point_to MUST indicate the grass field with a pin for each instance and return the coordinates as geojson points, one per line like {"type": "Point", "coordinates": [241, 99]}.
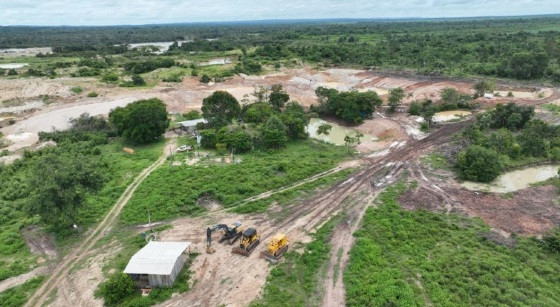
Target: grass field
{"type": "Point", "coordinates": [172, 192]}
{"type": "Point", "coordinates": [408, 258]}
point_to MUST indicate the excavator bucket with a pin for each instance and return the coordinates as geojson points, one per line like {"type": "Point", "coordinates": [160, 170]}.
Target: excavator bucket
{"type": "Point", "coordinates": [240, 251]}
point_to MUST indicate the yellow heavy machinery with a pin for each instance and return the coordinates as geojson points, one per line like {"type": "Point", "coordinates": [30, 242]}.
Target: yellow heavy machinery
{"type": "Point", "coordinates": [249, 240]}
{"type": "Point", "coordinates": [277, 246]}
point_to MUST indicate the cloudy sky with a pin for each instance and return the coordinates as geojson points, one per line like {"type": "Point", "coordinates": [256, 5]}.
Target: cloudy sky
{"type": "Point", "coordinates": [112, 12]}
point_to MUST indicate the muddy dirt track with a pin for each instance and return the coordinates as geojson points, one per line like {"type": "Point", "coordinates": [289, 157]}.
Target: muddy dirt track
{"type": "Point", "coordinates": [225, 278]}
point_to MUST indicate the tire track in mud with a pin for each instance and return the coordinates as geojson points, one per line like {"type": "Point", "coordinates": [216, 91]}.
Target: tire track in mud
{"type": "Point", "coordinates": [246, 276]}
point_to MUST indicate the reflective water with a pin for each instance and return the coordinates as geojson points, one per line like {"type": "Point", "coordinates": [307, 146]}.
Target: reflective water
{"type": "Point", "coordinates": [450, 115]}
{"type": "Point", "coordinates": [515, 180]}
{"type": "Point", "coordinates": [336, 135]}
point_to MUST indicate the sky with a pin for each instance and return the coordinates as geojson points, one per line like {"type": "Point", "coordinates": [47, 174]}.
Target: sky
{"type": "Point", "coordinates": [119, 12]}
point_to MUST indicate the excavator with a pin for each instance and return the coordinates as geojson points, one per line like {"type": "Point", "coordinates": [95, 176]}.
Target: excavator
{"type": "Point", "coordinates": [230, 233]}
{"type": "Point", "coordinates": [277, 246]}
{"type": "Point", "coordinates": [249, 240]}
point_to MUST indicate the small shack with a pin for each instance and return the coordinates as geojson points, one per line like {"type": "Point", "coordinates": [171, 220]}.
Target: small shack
{"type": "Point", "coordinates": [157, 264]}
{"type": "Point", "coordinates": [190, 125]}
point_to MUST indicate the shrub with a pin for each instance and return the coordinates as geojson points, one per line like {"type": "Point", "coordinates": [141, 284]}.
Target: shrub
{"type": "Point", "coordinates": [116, 289]}
{"type": "Point", "coordinates": [77, 90]}
{"type": "Point", "coordinates": [92, 94]}
{"type": "Point", "coordinates": [205, 78]}
{"type": "Point", "coordinates": [274, 134]}
{"type": "Point", "coordinates": [194, 114]}
{"type": "Point", "coordinates": [110, 77]}
{"type": "Point", "coordinates": [479, 164]}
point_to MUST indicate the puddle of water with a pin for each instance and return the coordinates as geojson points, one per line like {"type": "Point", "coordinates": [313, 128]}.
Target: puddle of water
{"type": "Point", "coordinates": [13, 65]}
{"type": "Point", "coordinates": [515, 180]}
{"type": "Point", "coordinates": [450, 115]}
{"type": "Point", "coordinates": [336, 135]}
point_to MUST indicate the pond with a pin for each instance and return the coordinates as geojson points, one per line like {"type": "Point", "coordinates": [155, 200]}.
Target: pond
{"type": "Point", "coordinates": [336, 135]}
{"type": "Point", "coordinates": [446, 116]}
{"type": "Point", "coordinates": [515, 180]}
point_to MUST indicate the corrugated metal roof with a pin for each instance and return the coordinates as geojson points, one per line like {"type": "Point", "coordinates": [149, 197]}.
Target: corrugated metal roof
{"type": "Point", "coordinates": [156, 258]}
{"type": "Point", "coordinates": [192, 123]}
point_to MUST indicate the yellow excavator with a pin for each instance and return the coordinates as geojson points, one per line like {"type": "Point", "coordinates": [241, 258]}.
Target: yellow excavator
{"type": "Point", "coordinates": [249, 240]}
{"type": "Point", "coordinates": [277, 246]}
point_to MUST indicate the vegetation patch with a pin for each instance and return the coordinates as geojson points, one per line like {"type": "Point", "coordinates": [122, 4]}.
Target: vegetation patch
{"type": "Point", "coordinates": [410, 258]}
{"type": "Point", "coordinates": [295, 281]}
{"type": "Point", "coordinates": [172, 192]}
{"type": "Point", "coordinates": [17, 296]}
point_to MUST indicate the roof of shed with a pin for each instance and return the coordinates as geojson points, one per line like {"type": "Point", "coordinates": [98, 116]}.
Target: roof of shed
{"type": "Point", "coordinates": [192, 123]}
{"type": "Point", "coordinates": [156, 258]}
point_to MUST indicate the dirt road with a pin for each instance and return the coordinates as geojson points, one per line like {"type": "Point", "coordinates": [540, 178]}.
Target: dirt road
{"type": "Point", "coordinates": [225, 278]}
{"type": "Point", "coordinates": [63, 268]}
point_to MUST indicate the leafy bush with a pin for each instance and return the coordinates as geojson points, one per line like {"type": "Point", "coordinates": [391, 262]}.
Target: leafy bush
{"type": "Point", "coordinates": [76, 90]}
{"type": "Point", "coordinates": [92, 94]}
{"type": "Point", "coordinates": [116, 289]}
{"type": "Point", "coordinates": [274, 133]}
{"type": "Point", "coordinates": [194, 114]}
{"type": "Point", "coordinates": [141, 122]}
{"type": "Point", "coordinates": [479, 164]}
{"type": "Point", "coordinates": [351, 107]}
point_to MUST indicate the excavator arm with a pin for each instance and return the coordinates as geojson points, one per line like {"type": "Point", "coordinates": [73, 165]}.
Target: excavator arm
{"type": "Point", "coordinates": [210, 230]}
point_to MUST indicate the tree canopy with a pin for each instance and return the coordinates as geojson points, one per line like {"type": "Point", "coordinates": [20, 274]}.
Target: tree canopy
{"type": "Point", "coordinates": [141, 122]}
{"type": "Point", "coordinates": [351, 107]}
{"type": "Point", "coordinates": [220, 109]}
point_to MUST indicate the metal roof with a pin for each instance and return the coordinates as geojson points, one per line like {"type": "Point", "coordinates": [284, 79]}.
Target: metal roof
{"type": "Point", "coordinates": [156, 258]}
{"type": "Point", "coordinates": [192, 123]}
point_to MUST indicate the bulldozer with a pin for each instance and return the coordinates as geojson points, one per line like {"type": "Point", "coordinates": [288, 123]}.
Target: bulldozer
{"type": "Point", "coordinates": [249, 240]}
{"type": "Point", "coordinates": [230, 233]}
{"type": "Point", "coordinates": [277, 246]}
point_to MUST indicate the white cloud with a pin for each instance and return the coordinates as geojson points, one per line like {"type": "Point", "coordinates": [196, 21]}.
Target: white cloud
{"type": "Point", "coordinates": [110, 12]}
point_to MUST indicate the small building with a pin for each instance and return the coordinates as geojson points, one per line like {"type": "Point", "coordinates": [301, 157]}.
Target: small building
{"type": "Point", "coordinates": [157, 264]}
{"type": "Point", "coordinates": [190, 125]}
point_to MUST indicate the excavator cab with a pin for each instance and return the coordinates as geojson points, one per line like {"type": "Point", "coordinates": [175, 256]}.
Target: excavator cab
{"type": "Point", "coordinates": [249, 240]}
{"type": "Point", "coordinates": [230, 233]}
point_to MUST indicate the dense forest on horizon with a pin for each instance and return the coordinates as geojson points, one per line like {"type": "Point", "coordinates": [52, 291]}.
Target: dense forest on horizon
{"type": "Point", "coordinates": [523, 48]}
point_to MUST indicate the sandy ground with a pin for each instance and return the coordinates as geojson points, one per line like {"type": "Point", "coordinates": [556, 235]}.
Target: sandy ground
{"type": "Point", "coordinates": [34, 116]}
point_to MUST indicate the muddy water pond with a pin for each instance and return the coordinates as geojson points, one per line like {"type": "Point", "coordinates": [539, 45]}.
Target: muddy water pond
{"type": "Point", "coordinates": [515, 180]}
{"type": "Point", "coordinates": [336, 135]}
{"type": "Point", "coordinates": [446, 116]}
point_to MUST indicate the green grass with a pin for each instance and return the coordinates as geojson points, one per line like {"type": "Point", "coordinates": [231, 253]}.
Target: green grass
{"type": "Point", "coordinates": [436, 161]}
{"type": "Point", "coordinates": [172, 192]}
{"type": "Point", "coordinates": [295, 281]}
{"type": "Point", "coordinates": [553, 108]}
{"type": "Point", "coordinates": [300, 192]}
{"type": "Point", "coordinates": [411, 258]}
{"type": "Point", "coordinates": [17, 296]}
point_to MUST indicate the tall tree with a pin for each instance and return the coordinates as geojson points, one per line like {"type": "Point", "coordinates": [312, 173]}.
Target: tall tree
{"type": "Point", "coordinates": [59, 186]}
{"type": "Point", "coordinates": [141, 122]}
{"type": "Point", "coordinates": [220, 109]}
{"type": "Point", "coordinates": [395, 98]}
{"type": "Point", "coordinates": [278, 97]}
{"type": "Point", "coordinates": [274, 134]}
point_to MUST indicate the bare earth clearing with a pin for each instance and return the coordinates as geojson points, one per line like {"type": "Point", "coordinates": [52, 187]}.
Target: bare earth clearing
{"type": "Point", "coordinates": [225, 278]}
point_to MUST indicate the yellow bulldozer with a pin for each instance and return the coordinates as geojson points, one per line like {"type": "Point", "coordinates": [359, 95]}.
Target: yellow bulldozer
{"type": "Point", "coordinates": [249, 240]}
{"type": "Point", "coordinates": [277, 246]}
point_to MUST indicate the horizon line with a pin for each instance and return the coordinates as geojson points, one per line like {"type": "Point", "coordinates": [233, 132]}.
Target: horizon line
{"type": "Point", "coordinates": [288, 20]}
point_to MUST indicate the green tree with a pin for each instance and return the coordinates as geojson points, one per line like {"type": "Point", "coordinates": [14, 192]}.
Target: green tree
{"type": "Point", "coordinates": [258, 112]}
{"type": "Point", "coordinates": [220, 109]}
{"type": "Point", "coordinates": [137, 80]}
{"type": "Point", "coordinates": [141, 122]}
{"type": "Point", "coordinates": [484, 87]}
{"type": "Point", "coordinates": [12, 72]}
{"type": "Point", "coordinates": [396, 96]}
{"type": "Point", "coordinates": [205, 78]}
{"type": "Point", "coordinates": [295, 119]}
{"type": "Point", "coordinates": [351, 107]}
{"type": "Point", "coordinates": [278, 97]}
{"type": "Point", "coordinates": [477, 163]}
{"type": "Point", "coordinates": [117, 288]}
{"type": "Point", "coordinates": [274, 133]}
{"type": "Point", "coordinates": [504, 142]}
{"type": "Point", "coordinates": [193, 114]}
{"type": "Point", "coordinates": [450, 95]}
{"type": "Point", "coordinates": [59, 185]}
{"type": "Point", "coordinates": [237, 139]}
{"type": "Point", "coordinates": [352, 140]}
